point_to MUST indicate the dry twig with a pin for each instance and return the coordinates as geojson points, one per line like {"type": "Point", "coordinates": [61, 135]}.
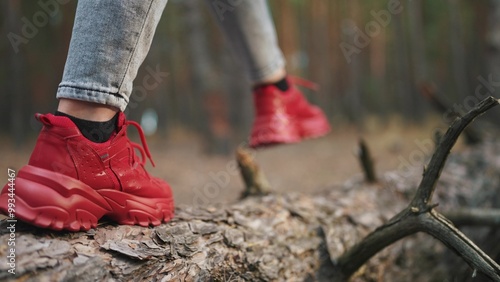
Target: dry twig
{"type": "Point", "coordinates": [421, 216]}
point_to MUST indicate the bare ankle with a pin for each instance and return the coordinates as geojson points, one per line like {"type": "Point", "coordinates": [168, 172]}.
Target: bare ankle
{"type": "Point", "coordinates": [87, 110]}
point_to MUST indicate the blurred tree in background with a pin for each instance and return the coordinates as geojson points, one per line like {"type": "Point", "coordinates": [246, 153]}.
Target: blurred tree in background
{"type": "Point", "coordinates": [369, 58]}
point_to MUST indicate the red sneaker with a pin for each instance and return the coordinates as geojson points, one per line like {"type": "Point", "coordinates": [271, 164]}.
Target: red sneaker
{"type": "Point", "coordinates": [71, 182]}
{"type": "Point", "coordinates": [285, 117]}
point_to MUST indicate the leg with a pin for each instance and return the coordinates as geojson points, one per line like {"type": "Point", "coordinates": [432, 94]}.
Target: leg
{"type": "Point", "coordinates": [282, 113]}
{"type": "Point", "coordinates": [110, 41]}
{"type": "Point", "coordinates": [71, 180]}
{"type": "Point", "coordinates": [248, 26]}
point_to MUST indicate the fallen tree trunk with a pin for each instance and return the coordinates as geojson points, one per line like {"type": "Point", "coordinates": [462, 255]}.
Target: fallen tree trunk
{"type": "Point", "coordinates": [275, 237]}
{"type": "Point", "coordinates": [260, 238]}
{"type": "Point", "coordinates": [292, 237]}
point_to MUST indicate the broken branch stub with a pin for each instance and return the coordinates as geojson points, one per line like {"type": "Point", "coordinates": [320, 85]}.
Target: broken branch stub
{"type": "Point", "coordinates": [366, 162]}
{"type": "Point", "coordinates": [256, 183]}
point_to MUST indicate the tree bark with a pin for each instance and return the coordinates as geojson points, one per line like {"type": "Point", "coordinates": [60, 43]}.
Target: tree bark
{"type": "Point", "coordinates": [282, 237]}
{"type": "Point", "coordinates": [276, 237]}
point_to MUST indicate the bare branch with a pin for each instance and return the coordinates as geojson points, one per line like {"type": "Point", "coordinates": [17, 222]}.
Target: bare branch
{"type": "Point", "coordinates": [382, 237]}
{"type": "Point", "coordinates": [475, 217]}
{"type": "Point", "coordinates": [436, 164]}
{"type": "Point", "coordinates": [442, 229]}
{"type": "Point", "coordinates": [420, 216]}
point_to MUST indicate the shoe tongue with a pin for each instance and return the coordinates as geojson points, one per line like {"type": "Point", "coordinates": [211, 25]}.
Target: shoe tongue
{"type": "Point", "coordinates": [63, 121]}
{"type": "Point", "coordinates": [50, 119]}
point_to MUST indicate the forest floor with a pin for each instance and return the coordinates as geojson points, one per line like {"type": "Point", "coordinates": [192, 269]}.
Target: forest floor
{"type": "Point", "coordinates": [311, 166]}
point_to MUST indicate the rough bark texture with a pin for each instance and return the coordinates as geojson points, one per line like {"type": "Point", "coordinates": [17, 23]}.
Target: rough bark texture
{"type": "Point", "coordinates": [277, 237]}
{"type": "Point", "coordinates": [292, 237]}
{"type": "Point", "coordinates": [274, 237]}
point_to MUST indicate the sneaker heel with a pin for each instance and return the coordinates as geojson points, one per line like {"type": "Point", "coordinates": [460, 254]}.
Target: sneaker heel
{"type": "Point", "coordinates": [47, 199]}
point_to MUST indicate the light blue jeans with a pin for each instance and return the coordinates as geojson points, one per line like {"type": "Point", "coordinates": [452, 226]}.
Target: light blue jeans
{"type": "Point", "coordinates": [111, 39]}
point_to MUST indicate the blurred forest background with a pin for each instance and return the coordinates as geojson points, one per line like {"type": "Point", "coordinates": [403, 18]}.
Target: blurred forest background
{"type": "Point", "coordinates": [453, 43]}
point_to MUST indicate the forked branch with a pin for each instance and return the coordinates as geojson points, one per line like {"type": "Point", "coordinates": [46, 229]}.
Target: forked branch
{"type": "Point", "coordinates": [421, 216]}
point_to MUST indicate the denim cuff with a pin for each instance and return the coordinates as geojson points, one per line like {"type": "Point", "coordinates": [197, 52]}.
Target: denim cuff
{"type": "Point", "coordinates": [93, 96]}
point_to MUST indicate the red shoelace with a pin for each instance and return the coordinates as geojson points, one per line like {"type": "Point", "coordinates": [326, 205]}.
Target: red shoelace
{"type": "Point", "coordinates": [304, 82]}
{"type": "Point", "coordinates": [144, 148]}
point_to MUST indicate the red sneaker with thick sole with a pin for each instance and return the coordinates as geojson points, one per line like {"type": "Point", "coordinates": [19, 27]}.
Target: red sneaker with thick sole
{"type": "Point", "coordinates": [285, 117]}
{"type": "Point", "coordinates": [71, 182]}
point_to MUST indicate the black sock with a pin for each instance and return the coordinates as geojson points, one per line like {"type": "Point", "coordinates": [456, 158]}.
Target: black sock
{"type": "Point", "coordinates": [282, 85]}
{"type": "Point", "coordinates": [95, 131]}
